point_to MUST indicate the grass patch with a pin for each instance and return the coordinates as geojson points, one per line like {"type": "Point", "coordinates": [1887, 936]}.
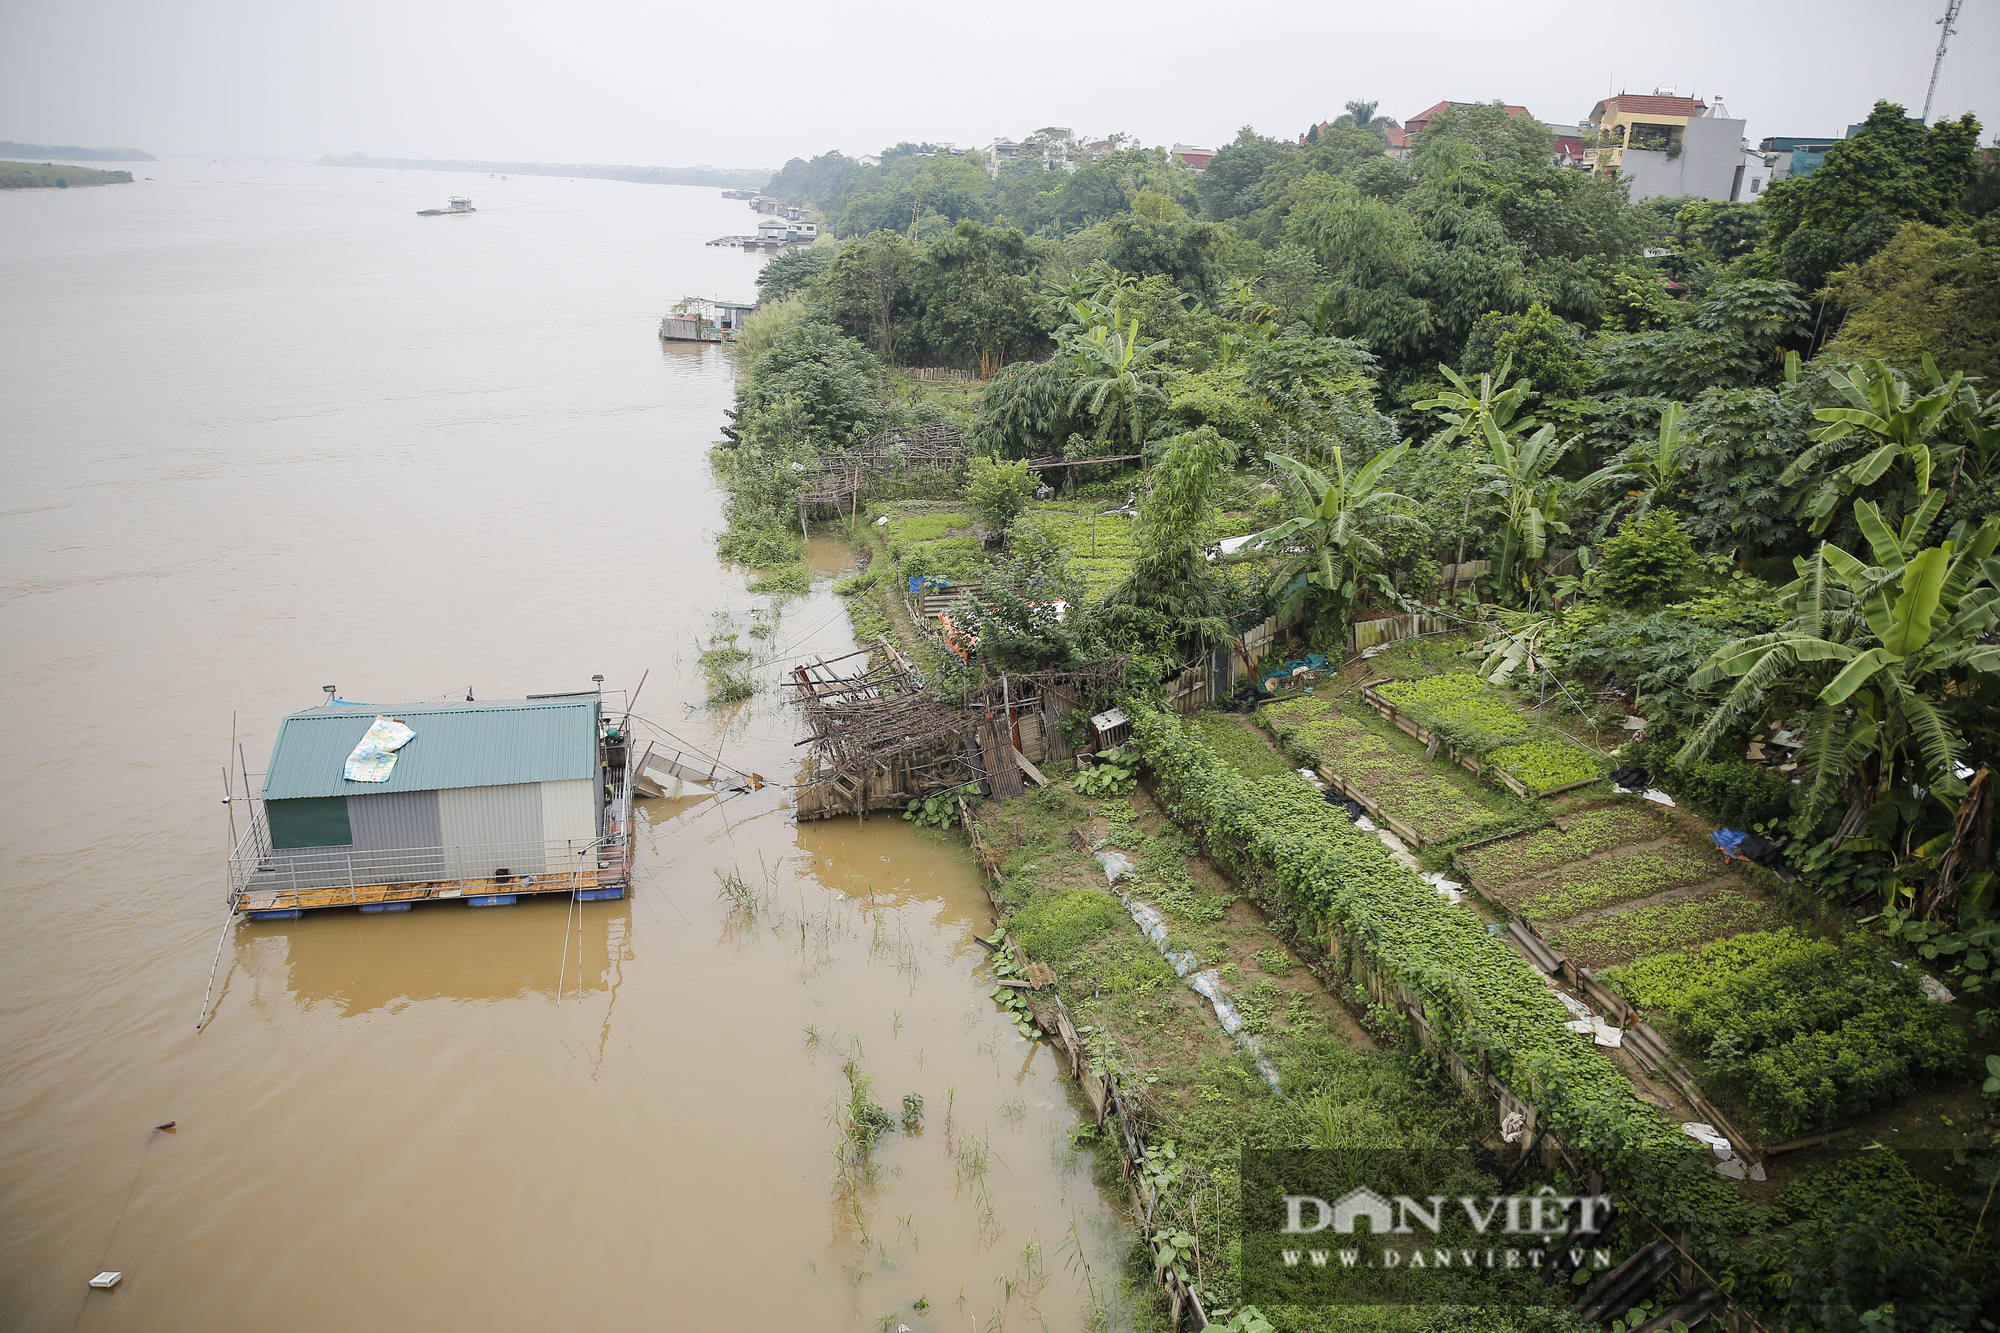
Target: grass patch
{"type": "Point", "coordinates": [1057, 926]}
{"type": "Point", "coordinates": [1677, 925]}
{"type": "Point", "coordinates": [919, 528]}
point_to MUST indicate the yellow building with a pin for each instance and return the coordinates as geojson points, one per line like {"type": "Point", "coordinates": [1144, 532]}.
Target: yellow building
{"type": "Point", "coordinates": [1631, 120]}
{"type": "Point", "coordinates": [1660, 144]}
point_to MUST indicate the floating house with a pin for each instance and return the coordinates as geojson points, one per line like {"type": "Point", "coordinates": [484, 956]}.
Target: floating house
{"type": "Point", "coordinates": [382, 807]}
{"type": "Point", "coordinates": [698, 320]}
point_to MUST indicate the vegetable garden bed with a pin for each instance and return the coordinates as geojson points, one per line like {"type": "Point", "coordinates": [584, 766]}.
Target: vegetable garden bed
{"type": "Point", "coordinates": [1421, 802]}
{"type": "Point", "coordinates": [1456, 713]}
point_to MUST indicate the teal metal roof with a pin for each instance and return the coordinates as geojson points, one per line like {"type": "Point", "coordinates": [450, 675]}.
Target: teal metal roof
{"type": "Point", "coordinates": [456, 745]}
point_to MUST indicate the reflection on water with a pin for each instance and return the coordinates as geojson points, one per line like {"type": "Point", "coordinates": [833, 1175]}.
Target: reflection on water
{"type": "Point", "coordinates": [442, 951]}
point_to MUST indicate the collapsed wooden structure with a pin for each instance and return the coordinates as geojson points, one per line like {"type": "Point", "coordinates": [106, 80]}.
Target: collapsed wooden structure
{"type": "Point", "coordinates": [881, 739]}
{"type": "Point", "coordinates": [846, 477]}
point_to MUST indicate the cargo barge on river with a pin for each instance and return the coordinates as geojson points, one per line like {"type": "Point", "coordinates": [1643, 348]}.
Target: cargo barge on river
{"type": "Point", "coordinates": [383, 807]}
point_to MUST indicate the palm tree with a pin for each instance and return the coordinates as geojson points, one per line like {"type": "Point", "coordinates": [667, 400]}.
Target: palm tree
{"type": "Point", "coordinates": [1889, 653]}
{"type": "Point", "coordinates": [1325, 545]}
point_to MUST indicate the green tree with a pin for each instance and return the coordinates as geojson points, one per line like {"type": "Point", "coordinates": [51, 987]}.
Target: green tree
{"type": "Point", "coordinates": [827, 376]}
{"type": "Point", "coordinates": [999, 491]}
{"type": "Point", "coordinates": [1230, 186]}
{"type": "Point", "coordinates": [1550, 352]}
{"type": "Point", "coordinates": [1930, 293]}
{"type": "Point", "coordinates": [867, 289]}
{"type": "Point", "coordinates": [1173, 594]}
{"type": "Point", "coordinates": [1660, 466]}
{"type": "Point", "coordinates": [1738, 336]}
{"type": "Point", "coordinates": [1465, 410]}
{"type": "Point", "coordinates": [1892, 164]}
{"type": "Point", "coordinates": [1117, 379]}
{"type": "Point", "coordinates": [1904, 437]}
{"type": "Point", "coordinates": [1532, 499]}
{"type": "Point", "coordinates": [1026, 411]}
{"type": "Point", "coordinates": [975, 293]}
{"type": "Point", "coordinates": [1647, 562]}
{"type": "Point", "coordinates": [792, 273]}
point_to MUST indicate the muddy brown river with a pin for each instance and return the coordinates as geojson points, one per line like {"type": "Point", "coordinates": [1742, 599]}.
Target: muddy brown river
{"type": "Point", "coordinates": [267, 430]}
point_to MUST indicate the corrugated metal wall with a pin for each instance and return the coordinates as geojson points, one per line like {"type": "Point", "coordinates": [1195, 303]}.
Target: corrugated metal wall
{"type": "Point", "coordinates": [391, 825]}
{"type": "Point", "coordinates": [569, 810]}
{"type": "Point", "coordinates": [477, 817]}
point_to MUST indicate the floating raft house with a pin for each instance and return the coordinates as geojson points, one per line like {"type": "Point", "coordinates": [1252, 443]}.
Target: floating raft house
{"type": "Point", "coordinates": [483, 802]}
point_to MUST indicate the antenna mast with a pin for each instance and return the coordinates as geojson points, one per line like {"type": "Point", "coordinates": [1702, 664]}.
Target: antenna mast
{"type": "Point", "coordinates": [1937, 66]}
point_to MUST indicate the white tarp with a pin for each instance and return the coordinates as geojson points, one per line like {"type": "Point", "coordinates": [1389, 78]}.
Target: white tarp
{"type": "Point", "coordinates": [375, 757]}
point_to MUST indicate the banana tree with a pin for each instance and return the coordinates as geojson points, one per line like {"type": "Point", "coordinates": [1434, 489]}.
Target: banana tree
{"type": "Point", "coordinates": [1116, 378]}
{"type": "Point", "coordinates": [1910, 434]}
{"type": "Point", "coordinates": [1891, 656]}
{"type": "Point", "coordinates": [1533, 500]}
{"type": "Point", "coordinates": [1465, 410]}
{"type": "Point", "coordinates": [1660, 465]}
{"type": "Point", "coordinates": [1326, 547]}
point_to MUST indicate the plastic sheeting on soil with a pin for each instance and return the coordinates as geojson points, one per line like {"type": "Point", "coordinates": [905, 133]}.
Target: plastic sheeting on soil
{"type": "Point", "coordinates": [1205, 982]}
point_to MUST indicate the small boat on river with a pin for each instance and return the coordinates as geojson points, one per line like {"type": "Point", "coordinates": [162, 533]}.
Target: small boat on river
{"type": "Point", "coordinates": [458, 204]}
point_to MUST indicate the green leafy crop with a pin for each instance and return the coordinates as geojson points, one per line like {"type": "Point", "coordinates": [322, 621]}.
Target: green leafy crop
{"type": "Point", "coordinates": [1544, 765]}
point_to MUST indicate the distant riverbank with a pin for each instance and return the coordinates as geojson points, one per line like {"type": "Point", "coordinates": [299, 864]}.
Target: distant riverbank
{"type": "Point", "coordinates": [55, 176]}
{"type": "Point", "coordinates": [72, 153]}
{"type": "Point", "coordinates": [729, 177]}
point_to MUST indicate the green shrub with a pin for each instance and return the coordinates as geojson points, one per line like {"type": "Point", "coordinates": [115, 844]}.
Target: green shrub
{"type": "Point", "coordinates": [759, 547]}
{"type": "Point", "coordinates": [1056, 926]}
{"type": "Point", "coordinates": [1733, 792]}
{"type": "Point", "coordinates": [786, 580]}
{"type": "Point", "coordinates": [999, 490]}
{"type": "Point", "coordinates": [1647, 562]}
{"type": "Point", "coordinates": [859, 582]}
{"type": "Point", "coordinates": [1113, 774]}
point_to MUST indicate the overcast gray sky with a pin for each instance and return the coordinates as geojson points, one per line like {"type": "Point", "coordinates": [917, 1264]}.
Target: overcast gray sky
{"type": "Point", "coordinates": [667, 82]}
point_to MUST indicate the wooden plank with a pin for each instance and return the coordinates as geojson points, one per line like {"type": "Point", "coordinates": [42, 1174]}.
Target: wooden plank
{"type": "Point", "coordinates": [1028, 768]}
{"type": "Point", "coordinates": [1001, 775]}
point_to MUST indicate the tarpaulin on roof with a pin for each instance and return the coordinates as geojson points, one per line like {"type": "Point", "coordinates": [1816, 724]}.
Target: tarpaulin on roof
{"type": "Point", "coordinates": [375, 757]}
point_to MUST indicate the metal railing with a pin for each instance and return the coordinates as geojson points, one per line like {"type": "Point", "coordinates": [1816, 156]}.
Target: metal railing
{"type": "Point", "coordinates": [266, 878]}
